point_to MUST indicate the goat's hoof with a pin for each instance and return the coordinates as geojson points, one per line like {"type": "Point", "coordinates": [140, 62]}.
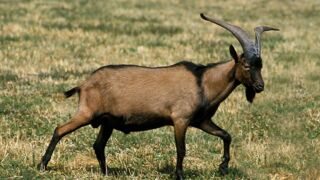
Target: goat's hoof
{"type": "Point", "coordinates": [179, 176]}
{"type": "Point", "coordinates": [104, 172]}
{"type": "Point", "coordinates": [42, 167]}
{"type": "Point", "coordinates": [223, 169]}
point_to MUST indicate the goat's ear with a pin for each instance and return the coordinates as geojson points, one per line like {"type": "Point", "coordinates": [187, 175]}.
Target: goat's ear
{"type": "Point", "coordinates": [233, 53]}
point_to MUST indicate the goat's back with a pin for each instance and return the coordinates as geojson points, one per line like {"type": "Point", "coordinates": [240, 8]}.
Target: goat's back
{"type": "Point", "coordinates": [133, 90]}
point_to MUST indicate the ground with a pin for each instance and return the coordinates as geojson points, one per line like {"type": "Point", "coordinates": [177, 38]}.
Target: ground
{"type": "Point", "coordinates": [47, 47]}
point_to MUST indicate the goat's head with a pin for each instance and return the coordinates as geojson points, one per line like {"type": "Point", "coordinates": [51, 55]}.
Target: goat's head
{"type": "Point", "coordinates": [249, 63]}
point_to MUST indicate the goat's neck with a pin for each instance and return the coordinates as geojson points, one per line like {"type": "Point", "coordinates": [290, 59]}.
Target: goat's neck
{"type": "Point", "coordinates": [219, 81]}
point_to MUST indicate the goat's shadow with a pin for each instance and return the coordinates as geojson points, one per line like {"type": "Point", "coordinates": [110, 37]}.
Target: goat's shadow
{"type": "Point", "coordinates": [170, 170]}
{"type": "Point", "coordinates": [194, 173]}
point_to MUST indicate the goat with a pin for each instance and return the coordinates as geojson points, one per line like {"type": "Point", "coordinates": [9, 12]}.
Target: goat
{"type": "Point", "coordinates": [132, 98]}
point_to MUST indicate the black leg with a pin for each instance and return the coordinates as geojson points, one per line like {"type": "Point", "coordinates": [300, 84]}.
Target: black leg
{"type": "Point", "coordinates": [47, 156]}
{"type": "Point", "coordinates": [99, 146]}
{"type": "Point", "coordinates": [76, 122]}
{"type": "Point", "coordinates": [211, 128]}
{"type": "Point", "coordinates": [180, 132]}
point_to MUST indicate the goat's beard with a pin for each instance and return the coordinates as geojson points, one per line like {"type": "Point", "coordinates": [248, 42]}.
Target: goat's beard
{"type": "Point", "coordinates": [250, 94]}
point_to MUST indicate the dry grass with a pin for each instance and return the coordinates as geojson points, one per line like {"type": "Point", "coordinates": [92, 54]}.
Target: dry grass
{"type": "Point", "coordinates": [47, 47]}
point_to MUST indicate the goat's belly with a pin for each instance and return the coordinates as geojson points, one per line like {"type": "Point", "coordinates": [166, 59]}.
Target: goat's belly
{"type": "Point", "coordinates": [140, 123]}
{"type": "Point", "coordinates": [131, 123]}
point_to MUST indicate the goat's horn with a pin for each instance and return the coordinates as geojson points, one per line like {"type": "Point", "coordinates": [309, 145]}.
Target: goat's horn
{"type": "Point", "coordinates": [246, 43]}
{"type": "Point", "coordinates": [259, 30]}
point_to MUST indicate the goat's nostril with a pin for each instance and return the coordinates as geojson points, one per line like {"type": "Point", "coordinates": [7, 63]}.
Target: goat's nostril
{"type": "Point", "coordinates": [261, 87]}
{"type": "Point", "coordinates": [258, 87]}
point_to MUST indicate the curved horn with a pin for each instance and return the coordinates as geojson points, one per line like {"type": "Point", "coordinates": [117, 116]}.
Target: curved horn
{"type": "Point", "coordinates": [242, 36]}
{"type": "Point", "coordinates": [259, 30]}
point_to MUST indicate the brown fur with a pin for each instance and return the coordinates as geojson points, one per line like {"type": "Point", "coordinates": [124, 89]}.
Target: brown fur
{"type": "Point", "coordinates": [168, 92]}
{"type": "Point", "coordinates": [133, 98]}
{"type": "Point", "coordinates": [216, 81]}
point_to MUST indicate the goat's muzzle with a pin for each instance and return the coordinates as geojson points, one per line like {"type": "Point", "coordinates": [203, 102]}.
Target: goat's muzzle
{"type": "Point", "coordinates": [258, 87]}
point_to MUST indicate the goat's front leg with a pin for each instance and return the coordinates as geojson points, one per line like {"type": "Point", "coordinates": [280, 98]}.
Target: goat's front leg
{"type": "Point", "coordinates": [211, 128]}
{"type": "Point", "coordinates": [180, 129]}
{"type": "Point", "coordinates": [99, 146]}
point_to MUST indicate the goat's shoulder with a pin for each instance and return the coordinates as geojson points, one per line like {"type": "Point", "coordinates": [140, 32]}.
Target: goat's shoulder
{"type": "Point", "coordinates": [196, 69]}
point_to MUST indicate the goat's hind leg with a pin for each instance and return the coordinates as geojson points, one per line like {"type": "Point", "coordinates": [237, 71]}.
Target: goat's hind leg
{"type": "Point", "coordinates": [79, 120]}
{"type": "Point", "coordinates": [99, 146]}
{"type": "Point", "coordinates": [211, 128]}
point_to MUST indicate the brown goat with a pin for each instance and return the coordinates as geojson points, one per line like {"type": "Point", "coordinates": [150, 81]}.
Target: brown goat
{"type": "Point", "coordinates": [134, 98]}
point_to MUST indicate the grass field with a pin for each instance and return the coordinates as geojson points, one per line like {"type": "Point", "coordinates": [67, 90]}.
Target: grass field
{"type": "Point", "coordinates": [47, 47]}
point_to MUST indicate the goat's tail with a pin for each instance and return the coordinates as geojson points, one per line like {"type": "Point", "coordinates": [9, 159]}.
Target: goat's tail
{"type": "Point", "coordinates": [71, 92]}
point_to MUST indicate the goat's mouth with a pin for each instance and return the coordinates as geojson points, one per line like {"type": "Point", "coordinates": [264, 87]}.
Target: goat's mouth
{"type": "Point", "coordinates": [255, 88]}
